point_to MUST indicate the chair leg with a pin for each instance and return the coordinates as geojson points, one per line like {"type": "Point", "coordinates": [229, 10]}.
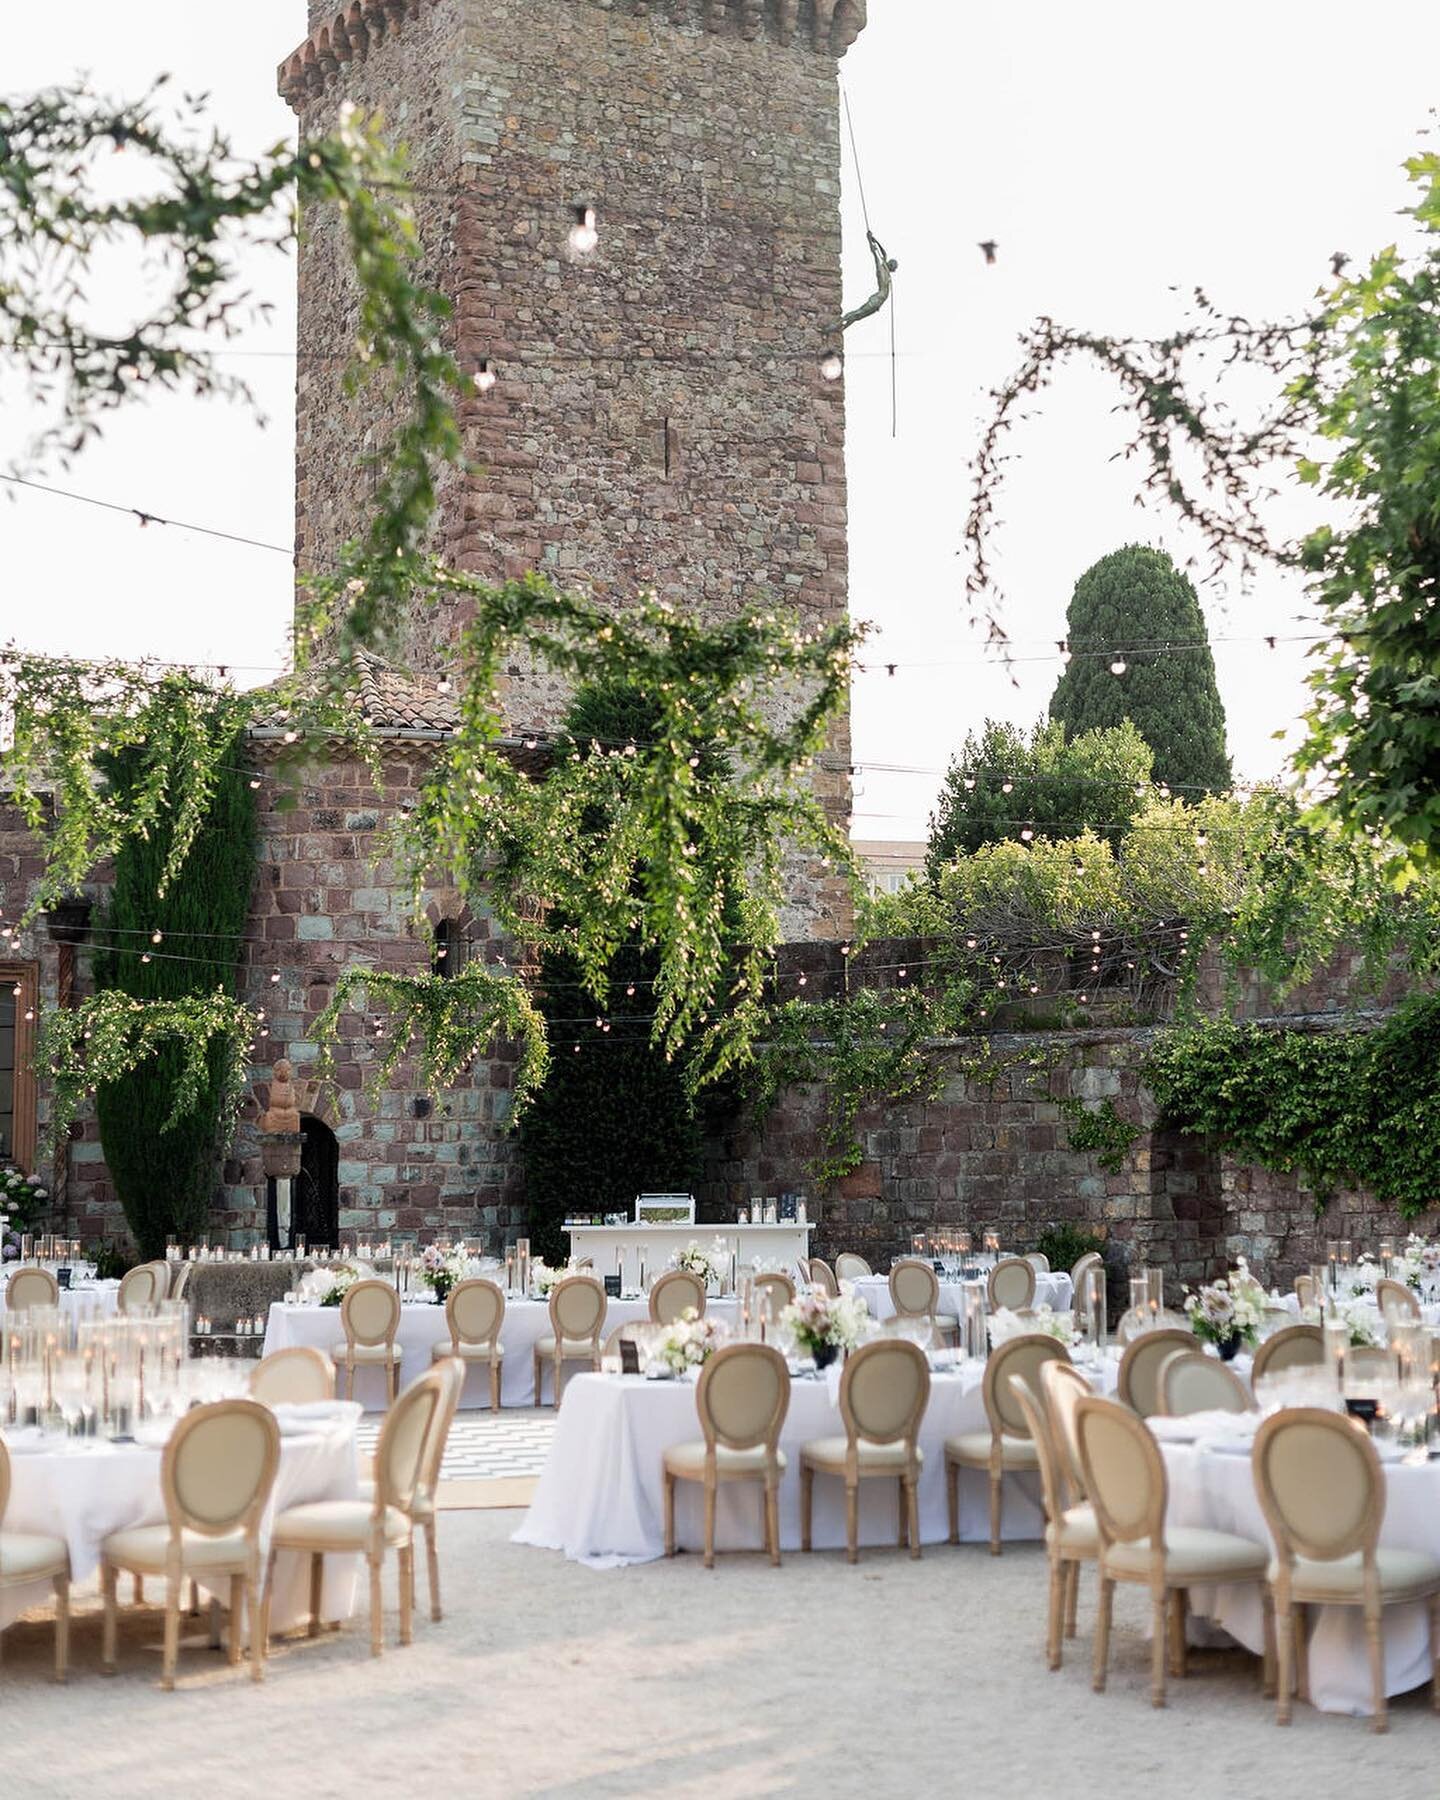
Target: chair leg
{"type": "Point", "coordinates": [711, 1495]}
{"type": "Point", "coordinates": [1177, 1633]}
{"type": "Point", "coordinates": [61, 1585]}
{"type": "Point", "coordinates": [772, 1524]}
{"type": "Point", "coordinates": [807, 1504]}
{"type": "Point", "coordinates": [237, 1619]}
{"type": "Point", "coordinates": [1267, 1661]}
{"type": "Point", "coordinates": [349, 1381]}
{"type": "Point", "coordinates": [495, 1362]}
{"type": "Point", "coordinates": [1374, 1644]}
{"type": "Point", "coordinates": [172, 1632]}
{"type": "Point", "coordinates": [1072, 1597]}
{"type": "Point", "coordinates": [407, 1591]}
{"type": "Point", "coordinates": [432, 1569]}
{"type": "Point", "coordinates": [669, 1513]}
{"type": "Point", "coordinates": [1302, 1653]}
{"type": "Point", "coordinates": [377, 1609]}
{"type": "Point", "coordinates": [852, 1521]}
{"type": "Point", "coordinates": [1284, 1660]}
{"type": "Point", "coordinates": [1101, 1658]}
{"type": "Point", "coordinates": [952, 1494]}
{"type": "Point", "coordinates": [539, 1389]}
{"type": "Point", "coordinates": [912, 1517]}
{"type": "Point", "coordinates": [1056, 1621]}
{"type": "Point", "coordinates": [1158, 1634]}
{"type": "Point", "coordinates": [252, 1613]}
{"type": "Point", "coordinates": [265, 1601]}
{"type": "Point", "coordinates": [138, 1597]}
{"type": "Point", "coordinates": [193, 1610]}
{"type": "Point", "coordinates": [109, 1577]}
{"type": "Point", "coordinates": [317, 1591]}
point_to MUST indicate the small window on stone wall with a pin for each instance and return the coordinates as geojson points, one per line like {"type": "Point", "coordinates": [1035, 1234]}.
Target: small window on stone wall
{"type": "Point", "coordinates": [451, 950]}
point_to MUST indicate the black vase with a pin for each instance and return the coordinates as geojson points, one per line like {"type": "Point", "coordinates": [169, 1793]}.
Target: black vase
{"type": "Point", "coordinates": [825, 1354]}
{"type": "Point", "coordinates": [1229, 1347]}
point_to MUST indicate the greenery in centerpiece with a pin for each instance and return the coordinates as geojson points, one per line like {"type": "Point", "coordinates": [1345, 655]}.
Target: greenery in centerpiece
{"type": "Point", "coordinates": [687, 1342]}
{"type": "Point", "coordinates": [822, 1325]}
{"type": "Point", "coordinates": [1227, 1312]}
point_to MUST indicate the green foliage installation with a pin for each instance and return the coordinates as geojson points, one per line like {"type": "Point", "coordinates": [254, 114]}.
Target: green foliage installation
{"type": "Point", "coordinates": [1131, 598]}
{"type": "Point", "coordinates": [1100, 1129]}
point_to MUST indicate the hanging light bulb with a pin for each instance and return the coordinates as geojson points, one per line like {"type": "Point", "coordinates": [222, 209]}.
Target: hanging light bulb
{"type": "Point", "coordinates": [583, 233]}
{"type": "Point", "coordinates": [1201, 839]}
{"type": "Point", "coordinates": [832, 366]}
{"type": "Point", "coordinates": [274, 977]}
{"type": "Point", "coordinates": [145, 957]}
{"type": "Point", "coordinates": [1026, 835]}
{"type": "Point", "coordinates": [484, 376]}
{"type": "Point", "coordinates": [1062, 645]}
{"type": "Point", "coordinates": [1007, 787]}
{"type": "Point", "coordinates": [1118, 666]}
{"type": "Point", "coordinates": [157, 937]}
{"type": "Point", "coordinates": [254, 781]}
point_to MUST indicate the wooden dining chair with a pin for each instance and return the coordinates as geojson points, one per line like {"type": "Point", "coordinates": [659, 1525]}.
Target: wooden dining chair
{"type": "Point", "coordinates": [1397, 1301]}
{"type": "Point", "coordinates": [475, 1313]}
{"type": "Point", "coordinates": [29, 1556]}
{"type": "Point", "coordinates": [822, 1276]}
{"type": "Point", "coordinates": [299, 1375]}
{"type": "Point", "coordinates": [778, 1288]}
{"type": "Point", "coordinates": [1192, 1382]}
{"type": "Point", "coordinates": [850, 1267]}
{"type": "Point", "coordinates": [577, 1318]}
{"type": "Point", "coordinates": [1305, 1290]}
{"type": "Point", "coordinates": [1138, 1380]}
{"type": "Point", "coordinates": [370, 1318]}
{"type": "Point", "coordinates": [742, 1397]}
{"type": "Point", "coordinates": [1005, 1445]}
{"type": "Point", "coordinates": [1071, 1534]}
{"type": "Point", "coordinates": [31, 1287]}
{"type": "Point", "coordinates": [915, 1294]}
{"type": "Point", "coordinates": [884, 1388]}
{"type": "Point", "coordinates": [1297, 1346]}
{"type": "Point", "coordinates": [1011, 1283]}
{"type": "Point", "coordinates": [675, 1292]}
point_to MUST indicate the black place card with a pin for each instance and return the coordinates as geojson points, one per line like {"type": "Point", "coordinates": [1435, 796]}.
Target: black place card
{"type": "Point", "coordinates": [1368, 1410]}
{"type": "Point", "coordinates": [62, 1276]}
{"type": "Point", "coordinates": [612, 1287]}
{"type": "Point", "coordinates": [629, 1357]}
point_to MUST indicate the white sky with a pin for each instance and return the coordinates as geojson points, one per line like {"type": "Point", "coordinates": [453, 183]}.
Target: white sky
{"type": "Point", "coordinates": [1113, 151]}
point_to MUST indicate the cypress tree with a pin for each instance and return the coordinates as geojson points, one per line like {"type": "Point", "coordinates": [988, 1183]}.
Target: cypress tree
{"type": "Point", "coordinates": [165, 1180]}
{"type": "Point", "coordinates": [1131, 598]}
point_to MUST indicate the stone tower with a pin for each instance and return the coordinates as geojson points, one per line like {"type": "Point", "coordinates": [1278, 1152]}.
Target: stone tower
{"type": "Point", "coordinates": [659, 418]}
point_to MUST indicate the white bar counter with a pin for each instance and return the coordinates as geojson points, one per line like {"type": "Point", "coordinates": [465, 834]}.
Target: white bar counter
{"type": "Point", "coordinates": [774, 1244]}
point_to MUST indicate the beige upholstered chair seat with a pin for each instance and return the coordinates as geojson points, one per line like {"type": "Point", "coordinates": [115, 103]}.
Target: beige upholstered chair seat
{"type": "Point", "coordinates": [366, 1353]}
{"type": "Point", "coordinates": [143, 1547]}
{"type": "Point", "coordinates": [1404, 1575]}
{"type": "Point", "coordinates": [466, 1352]}
{"type": "Point", "coordinates": [874, 1459]}
{"type": "Point", "coordinates": [973, 1449]}
{"type": "Point", "coordinates": [545, 1346]}
{"type": "Point", "coordinates": [1075, 1532]}
{"type": "Point", "coordinates": [422, 1507]}
{"type": "Point", "coordinates": [689, 1460]}
{"type": "Point", "coordinates": [333, 1521]}
{"type": "Point", "coordinates": [1192, 1554]}
{"type": "Point", "coordinates": [28, 1555]}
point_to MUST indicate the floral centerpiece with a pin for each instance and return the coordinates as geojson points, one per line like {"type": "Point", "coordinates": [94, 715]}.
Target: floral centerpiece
{"type": "Point", "coordinates": [1227, 1312]}
{"type": "Point", "coordinates": [1365, 1274]}
{"type": "Point", "coordinates": [441, 1269]}
{"type": "Point", "coordinates": [709, 1264]}
{"type": "Point", "coordinates": [823, 1325]}
{"type": "Point", "coordinates": [21, 1198]}
{"type": "Point", "coordinates": [331, 1284]}
{"type": "Point", "coordinates": [1003, 1324]}
{"type": "Point", "coordinates": [687, 1342]}
{"type": "Point", "coordinates": [543, 1278]}
{"type": "Point", "coordinates": [1362, 1322]}
{"type": "Point", "coordinates": [1419, 1261]}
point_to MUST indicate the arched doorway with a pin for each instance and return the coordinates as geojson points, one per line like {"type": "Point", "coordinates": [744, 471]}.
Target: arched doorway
{"type": "Point", "coordinates": [315, 1196]}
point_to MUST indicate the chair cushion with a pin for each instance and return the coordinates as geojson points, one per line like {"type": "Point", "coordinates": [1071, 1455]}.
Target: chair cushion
{"type": "Point", "coordinates": [365, 1353]}
{"type": "Point", "coordinates": [144, 1547]}
{"type": "Point", "coordinates": [688, 1460]}
{"type": "Point", "coordinates": [1075, 1531]}
{"type": "Point", "coordinates": [874, 1459]}
{"type": "Point", "coordinates": [322, 1523]}
{"type": "Point", "coordinates": [1193, 1554]}
{"type": "Point", "coordinates": [973, 1449]}
{"type": "Point", "coordinates": [467, 1352]}
{"type": "Point", "coordinates": [421, 1507]}
{"type": "Point", "coordinates": [545, 1346]}
{"type": "Point", "coordinates": [1404, 1574]}
{"type": "Point", "coordinates": [27, 1553]}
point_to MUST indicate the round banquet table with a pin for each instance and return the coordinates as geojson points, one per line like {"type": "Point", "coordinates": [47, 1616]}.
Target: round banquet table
{"type": "Point", "coordinates": [600, 1496]}
{"type": "Point", "coordinates": [1053, 1290]}
{"type": "Point", "coordinates": [1214, 1487]}
{"type": "Point", "coordinates": [83, 1489]}
{"type": "Point", "coordinates": [98, 1298]}
{"type": "Point", "coordinates": [422, 1326]}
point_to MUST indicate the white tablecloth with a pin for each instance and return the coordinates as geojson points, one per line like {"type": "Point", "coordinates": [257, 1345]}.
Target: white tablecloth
{"type": "Point", "coordinates": [100, 1298]}
{"type": "Point", "coordinates": [1053, 1290]}
{"type": "Point", "coordinates": [1216, 1489]}
{"type": "Point", "coordinates": [422, 1326]}
{"type": "Point", "coordinates": [600, 1497]}
{"type": "Point", "coordinates": [83, 1491]}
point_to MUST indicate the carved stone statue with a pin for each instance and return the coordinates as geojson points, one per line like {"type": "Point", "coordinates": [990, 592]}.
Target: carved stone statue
{"type": "Point", "coordinates": [283, 1113]}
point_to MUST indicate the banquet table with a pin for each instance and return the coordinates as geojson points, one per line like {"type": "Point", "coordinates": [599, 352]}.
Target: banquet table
{"type": "Point", "coordinates": [1053, 1290]}
{"type": "Point", "coordinates": [600, 1496]}
{"type": "Point", "coordinates": [83, 1489]}
{"type": "Point", "coordinates": [1211, 1485]}
{"type": "Point", "coordinates": [422, 1326]}
{"type": "Point", "coordinates": [97, 1298]}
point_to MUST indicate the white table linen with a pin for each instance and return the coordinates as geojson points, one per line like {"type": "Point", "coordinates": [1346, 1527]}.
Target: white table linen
{"type": "Point", "coordinates": [422, 1326]}
{"type": "Point", "coordinates": [600, 1497]}
{"type": "Point", "coordinates": [84, 1490]}
{"type": "Point", "coordinates": [1054, 1290]}
{"type": "Point", "coordinates": [98, 1299]}
{"type": "Point", "coordinates": [1215, 1488]}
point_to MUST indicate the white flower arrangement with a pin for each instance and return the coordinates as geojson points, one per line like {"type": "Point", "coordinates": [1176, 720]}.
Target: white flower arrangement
{"type": "Point", "coordinates": [820, 1321]}
{"type": "Point", "coordinates": [329, 1286]}
{"type": "Point", "coordinates": [441, 1269]}
{"type": "Point", "coordinates": [707, 1264]}
{"type": "Point", "coordinates": [1005, 1323]}
{"type": "Point", "coordinates": [1364, 1275]}
{"type": "Point", "coordinates": [1361, 1321]}
{"type": "Point", "coordinates": [543, 1278]}
{"type": "Point", "coordinates": [1228, 1308]}
{"type": "Point", "coordinates": [687, 1342]}
{"type": "Point", "coordinates": [1419, 1261]}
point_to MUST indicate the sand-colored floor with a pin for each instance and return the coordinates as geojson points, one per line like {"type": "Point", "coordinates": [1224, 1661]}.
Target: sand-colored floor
{"type": "Point", "coordinates": [892, 1678]}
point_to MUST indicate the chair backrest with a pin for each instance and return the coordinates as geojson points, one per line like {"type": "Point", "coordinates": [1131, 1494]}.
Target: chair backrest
{"type": "Point", "coordinates": [370, 1312]}
{"type": "Point", "coordinates": [399, 1456]}
{"type": "Point", "coordinates": [1305, 1290]}
{"type": "Point", "coordinates": [475, 1311]}
{"type": "Point", "coordinates": [1138, 1382]}
{"type": "Point", "coordinates": [633, 1330]}
{"type": "Point", "coordinates": [31, 1287]}
{"type": "Point", "coordinates": [1124, 1472]}
{"type": "Point", "coordinates": [779, 1287]}
{"type": "Point", "coordinates": [674, 1292]}
{"type": "Point", "coordinates": [219, 1467]}
{"type": "Point", "coordinates": [1039, 1430]}
{"type": "Point", "coordinates": [159, 1279]}
{"type": "Point", "coordinates": [850, 1267]}
{"type": "Point", "coordinates": [1088, 1261]}
{"type": "Point", "coordinates": [822, 1276]}
{"type": "Point", "coordinates": [1395, 1300]}
{"type": "Point", "coordinates": [1292, 1348]}
{"type": "Point", "coordinates": [295, 1376]}
{"type": "Point", "coordinates": [1319, 1484]}
{"type": "Point", "coordinates": [1011, 1283]}
{"type": "Point", "coordinates": [1038, 1261]}
{"type": "Point", "coordinates": [180, 1279]}
{"type": "Point", "coordinates": [137, 1288]}
{"type": "Point", "coordinates": [883, 1391]}
{"type": "Point", "coordinates": [1024, 1356]}
{"type": "Point", "coordinates": [914, 1288]}
{"type": "Point", "coordinates": [577, 1308]}
{"type": "Point", "coordinates": [451, 1371]}
{"type": "Point", "coordinates": [1062, 1385]}
{"type": "Point", "coordinates": [1192, 1382]}
{"type": "Point", "coordinates": [1368, 1362]}
{"type": "Point", "coordinates": [742, 1396]}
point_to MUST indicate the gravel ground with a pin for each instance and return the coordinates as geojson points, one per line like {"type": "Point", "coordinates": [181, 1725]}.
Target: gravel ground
{"type": "Point", "coordinates": [891, 1678]}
